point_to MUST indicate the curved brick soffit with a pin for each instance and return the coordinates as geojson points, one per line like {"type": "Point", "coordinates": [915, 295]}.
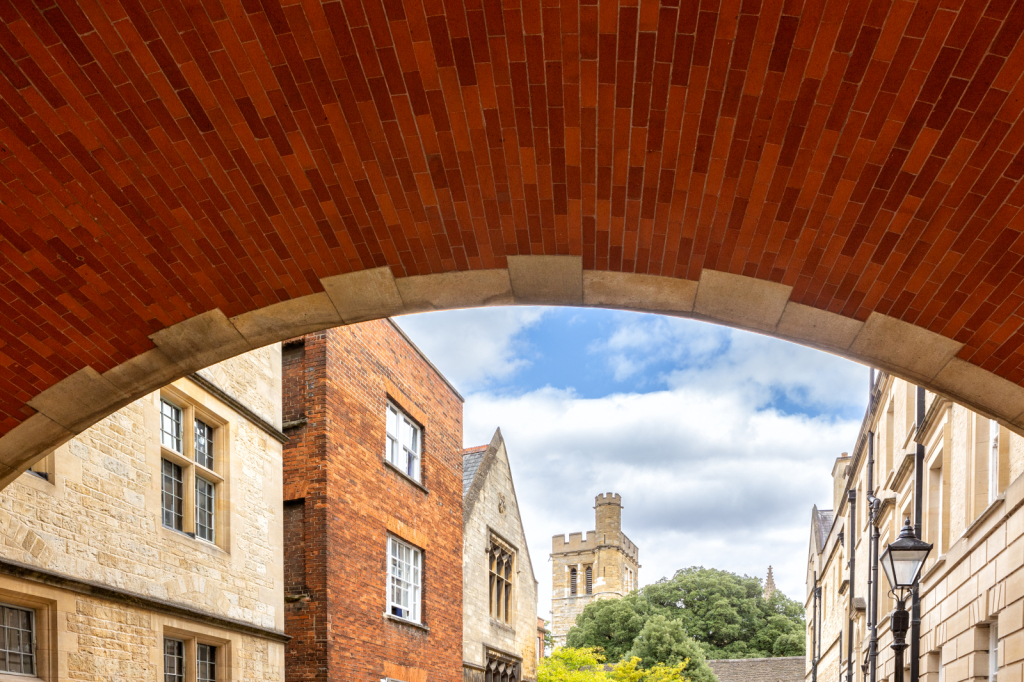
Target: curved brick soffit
{"type": "Point", "coordinates": [898, 347]}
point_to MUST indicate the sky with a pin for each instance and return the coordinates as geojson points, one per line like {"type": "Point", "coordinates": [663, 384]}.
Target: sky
{"type": "Point", "coordinates": [719, 440]}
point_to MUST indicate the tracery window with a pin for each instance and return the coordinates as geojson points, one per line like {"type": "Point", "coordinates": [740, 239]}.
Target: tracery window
{"type": "Point", "coordinates": [501, 669]}
{"type": "Point", "coordinates": [500, 561]}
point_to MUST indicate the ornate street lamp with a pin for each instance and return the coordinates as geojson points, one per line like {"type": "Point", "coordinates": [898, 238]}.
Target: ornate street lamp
{"type": "Point", "coordinates": [902, 562]}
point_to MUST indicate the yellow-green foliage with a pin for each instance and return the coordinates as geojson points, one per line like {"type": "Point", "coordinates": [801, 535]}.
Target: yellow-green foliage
{"type": "Point", "coordinates": [587, 665]}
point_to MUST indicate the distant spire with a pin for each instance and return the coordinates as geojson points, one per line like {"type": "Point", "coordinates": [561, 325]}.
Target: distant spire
{"type": "Point", "coordinates": [769, 584]}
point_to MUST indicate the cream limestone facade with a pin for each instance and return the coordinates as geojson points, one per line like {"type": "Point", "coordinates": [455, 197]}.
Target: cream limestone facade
{"type": "Point", "coordinates": [972, 587]}
{"type": "Point", "coordinates": [499, 600]}
{"type": "Point", "coordinates": [86, 554]}
{"type": "Point", "coordinates": [603, 565]}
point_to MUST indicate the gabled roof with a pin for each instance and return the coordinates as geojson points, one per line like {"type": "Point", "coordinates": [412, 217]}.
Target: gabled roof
{"type": "Point", "coordinates": [821, 523]}
{"type": "Point", "coordinates": [471, 458]}
{"type": "Point", "coordinates": [476, 465]}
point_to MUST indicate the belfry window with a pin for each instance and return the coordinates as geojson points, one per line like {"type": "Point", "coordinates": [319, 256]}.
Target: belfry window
{"type": "Point", "coordinates": [572, 581]}
{"type": "Point", "coordinates": [590, 580]}
{"type": "Point", "coordinates": [500, 561]}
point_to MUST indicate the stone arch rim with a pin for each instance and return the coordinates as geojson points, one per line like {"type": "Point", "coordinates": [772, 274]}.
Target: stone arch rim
{"type": "Point", "coordinates": [899, 348]}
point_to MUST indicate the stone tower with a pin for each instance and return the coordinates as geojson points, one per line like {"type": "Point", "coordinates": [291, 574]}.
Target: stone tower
{"type": "Point", "coordinates": [602, 565]}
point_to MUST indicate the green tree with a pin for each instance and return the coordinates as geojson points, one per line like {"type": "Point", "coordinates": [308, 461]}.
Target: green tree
{"type": "Point", "coordinates": [586, 664]}
{"type": "Point", "coordinates": [665, 642]}
{"type": "Point", "coordinates": [611, 624]}
{"type": "Point", "coordinates": [727, 613]}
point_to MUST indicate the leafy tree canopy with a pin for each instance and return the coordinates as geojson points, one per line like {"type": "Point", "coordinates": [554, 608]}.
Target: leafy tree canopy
{"type": "Point", "coordinates": [611, 624]}
{"type": "Point", "coordinates": [725, 613]}
{"type": "Point", "coordinates": [665, 642]}
{"type": "Point", "coordinates": [568, 664]}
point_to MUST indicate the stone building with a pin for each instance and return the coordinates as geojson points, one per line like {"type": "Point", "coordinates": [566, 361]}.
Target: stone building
{"type": "Point", "coordinates": [499, 588]}
{"type": "Point", "coordinates": [603, 565]}
{"type": "Point", "coordinates": [372, 509]}
{"type": "Point", "coordinates": [972, 587]}
{"type": "Point", "coordinates": [781, 669]}
{"type": "Point", "coordinates": [149, 547]}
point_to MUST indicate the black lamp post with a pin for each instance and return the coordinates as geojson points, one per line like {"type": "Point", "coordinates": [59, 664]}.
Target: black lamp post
{"type": "Point", "coordinates": [902, 562]}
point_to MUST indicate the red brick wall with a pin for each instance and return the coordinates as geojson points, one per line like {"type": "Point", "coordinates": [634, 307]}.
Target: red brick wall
{"type": "Point", "coordinates": [334, 462]}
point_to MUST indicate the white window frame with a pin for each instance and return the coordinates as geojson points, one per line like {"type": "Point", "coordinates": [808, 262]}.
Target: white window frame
{"type": "Point", "coordinates": [403, 444]}
{"type": "Point", "coordinates": [993, 651]}
{"type": "Point", "coordinates": [404, 561]}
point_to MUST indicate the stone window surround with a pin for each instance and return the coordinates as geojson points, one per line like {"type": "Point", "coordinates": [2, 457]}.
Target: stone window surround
{"type": "Point", "coordinates": [44, 636]}
{"type": "Point", "coordinates": [192, 636]}
{"type": "Point", "coordinates": [192, 409]}
{"type": "Point", "coordinates": [494, 653]}
{"type": "Point", "coordinates": [493, 538]}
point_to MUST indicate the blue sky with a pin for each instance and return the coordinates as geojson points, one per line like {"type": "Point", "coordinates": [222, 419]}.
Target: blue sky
{"type": "Point", "coordinates": [719, 440]}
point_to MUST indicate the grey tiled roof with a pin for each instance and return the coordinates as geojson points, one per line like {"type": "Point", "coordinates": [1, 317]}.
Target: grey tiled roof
{"type": "Point", "coordinates": [825, 519]}
{"type": "Point", "coordinates": [471, 459]}
{"type": "Point", "coordinates": [784, 669]}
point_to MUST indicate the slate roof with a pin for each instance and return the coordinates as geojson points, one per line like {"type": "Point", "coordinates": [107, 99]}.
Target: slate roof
{"type": "Point", "coordinates": [783, 669]}
{"type": "Point", "coordinates": [471, 458]}
{"type": "Point", "coordinates": [825, 519]}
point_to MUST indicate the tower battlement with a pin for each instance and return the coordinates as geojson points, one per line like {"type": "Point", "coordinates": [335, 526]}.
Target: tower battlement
{"type": "Point", "coordinates": [599, 564]}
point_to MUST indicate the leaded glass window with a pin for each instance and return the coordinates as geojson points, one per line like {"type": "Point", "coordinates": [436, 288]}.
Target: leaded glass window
{"type": "Point", "coordinates": [174, 660]}
{"type": "Point", "coordinates": [18, 654]}
{"type": "Point", "coordinates": [206, 663]}
{"type": "Point", "coordinates": [170, 426]}
{"type": "Point", "coordinates": [405, 580]}
{"type": "Point", "coordinates": [173, 494]}
{"type": "Point", "coordinates": [205, 501]}
{"type": "Point", "coordinates": [204, 444]}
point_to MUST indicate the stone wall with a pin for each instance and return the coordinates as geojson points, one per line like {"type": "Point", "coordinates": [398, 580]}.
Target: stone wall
{"type": "Point", "coordinates": [974, 579]}
{"type": "Point", "coordinates": [495, 510]}
{"type": "Point", "coordinates": [337, 384]}
{"type": "Point", "coordinates": [98, 518]}
{"type": "Point", "coordinates": [785, 669]}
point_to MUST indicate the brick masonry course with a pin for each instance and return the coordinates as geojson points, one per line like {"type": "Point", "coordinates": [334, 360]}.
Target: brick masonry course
{"type": "Point", "coordinates": [342, 501]}
{"type": "Point", "coordinates": [165, 160]}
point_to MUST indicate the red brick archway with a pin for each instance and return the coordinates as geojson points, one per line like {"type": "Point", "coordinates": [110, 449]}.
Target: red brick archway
{"type": "Point", "coordinates": [186, 179]}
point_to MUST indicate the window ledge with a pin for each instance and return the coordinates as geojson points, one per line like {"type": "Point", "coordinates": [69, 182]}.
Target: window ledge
{"type": "Point", "coordinates": [403, 621]}
{"type": "Point", "coordinates": [12, 677]}
{"type": "Point", "coordinates": [504, 626]}
{"type": "Point", "coordinates": [193, 542]}
{"type": "Point", "coordinates": [406, 476]}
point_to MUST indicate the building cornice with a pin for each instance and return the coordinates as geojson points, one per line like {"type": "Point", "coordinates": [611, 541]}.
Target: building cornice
{"type": "Point", "coordinates": [237, 406]}
{"type": "Point", "coordinates": [15, 569]}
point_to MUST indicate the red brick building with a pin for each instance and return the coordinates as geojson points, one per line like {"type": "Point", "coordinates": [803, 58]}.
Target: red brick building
{"type": "Point", "coordinates": [373, 509]}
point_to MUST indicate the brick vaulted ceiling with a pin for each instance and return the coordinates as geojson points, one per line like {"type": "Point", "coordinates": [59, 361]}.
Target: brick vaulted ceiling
{"type": "Point", "coordinates": [163, 158]}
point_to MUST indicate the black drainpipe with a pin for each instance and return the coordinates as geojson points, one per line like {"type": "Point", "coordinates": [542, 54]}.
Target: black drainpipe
{"type": "Point", "coordinates": [852, 498]}
{"type": "Point", "coordinates": [872, 615]}
{"type": "Point", "coordinates": [915, 615]}
{"type": "Point", "coordinates": [814, 631]}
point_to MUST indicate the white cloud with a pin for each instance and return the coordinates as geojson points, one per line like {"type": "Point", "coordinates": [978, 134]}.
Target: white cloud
{"type": "Point", "coordinates": [709, 472]}
{"type": "Point", "coordinates": [706, 477]}
{"type": "Point", "coordinates": [474, 347]}
{"type": "Point", "coordinates": [730, 359]}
